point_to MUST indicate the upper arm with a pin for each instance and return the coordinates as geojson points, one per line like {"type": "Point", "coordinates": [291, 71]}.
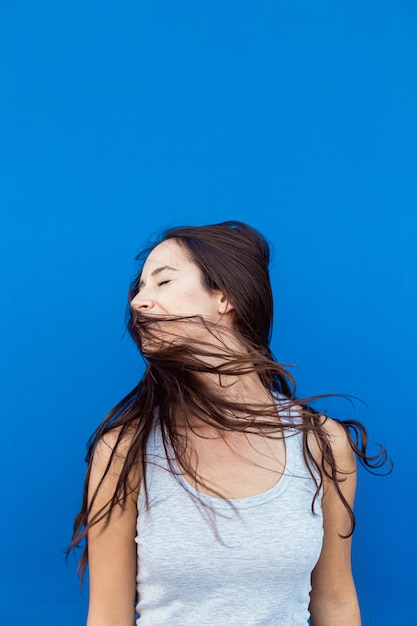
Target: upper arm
{"type": "Point", "coordinates": [333, 595]}
{"type": "Point", "coordinates": [111, 547]}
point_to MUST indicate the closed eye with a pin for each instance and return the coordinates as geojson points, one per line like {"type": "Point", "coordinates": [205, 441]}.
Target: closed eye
{"type": "Point", "coordinates": [163, 282]}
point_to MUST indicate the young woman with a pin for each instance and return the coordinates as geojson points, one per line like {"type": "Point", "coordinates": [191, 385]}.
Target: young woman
{"type": "Point", "coordinates": [213, 495]}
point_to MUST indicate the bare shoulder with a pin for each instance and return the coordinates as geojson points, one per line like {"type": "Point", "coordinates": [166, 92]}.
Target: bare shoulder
{"type": "Point", "coordinates": [339, 442]}
{"type": "Point", "coordinates": [109, 458]}
{"type": "Point", "coordinates": [114, 443]}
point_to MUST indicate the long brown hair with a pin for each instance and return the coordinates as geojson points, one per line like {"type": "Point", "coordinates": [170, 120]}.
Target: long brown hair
{"type": "Point", "coordinates": [234, 258]}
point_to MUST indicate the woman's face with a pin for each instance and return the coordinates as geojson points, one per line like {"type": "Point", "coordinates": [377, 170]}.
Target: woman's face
{"type": "Point", "coordinates": [171, 285]}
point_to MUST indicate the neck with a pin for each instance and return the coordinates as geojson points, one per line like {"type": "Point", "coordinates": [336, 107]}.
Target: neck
{"type": "Point", "coordinates": [245, 388]}
{"type": "Point", "coordinates": [243, 384]}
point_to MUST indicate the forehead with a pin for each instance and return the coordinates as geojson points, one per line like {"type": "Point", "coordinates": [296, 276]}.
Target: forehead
{"type": "Point", "coordinates": [167, 254]}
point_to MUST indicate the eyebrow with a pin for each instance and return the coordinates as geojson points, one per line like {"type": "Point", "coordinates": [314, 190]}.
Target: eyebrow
{"type": "Point", "coordinates": [157, 271]}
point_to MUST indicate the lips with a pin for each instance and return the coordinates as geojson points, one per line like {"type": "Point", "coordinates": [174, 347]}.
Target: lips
{"type": "Point", "coordinates": [145, 321]}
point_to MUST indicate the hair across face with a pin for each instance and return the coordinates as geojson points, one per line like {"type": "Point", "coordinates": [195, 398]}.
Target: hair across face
{"type": "Point", "coordinates": [232, 261]}
{"type": "Point", "coordinates": [172, 303]}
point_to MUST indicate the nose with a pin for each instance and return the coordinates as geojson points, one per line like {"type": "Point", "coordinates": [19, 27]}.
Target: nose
{"type": "Point", "coordinates": [141, 302]}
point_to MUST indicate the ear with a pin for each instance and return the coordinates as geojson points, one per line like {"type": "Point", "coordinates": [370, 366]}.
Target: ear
{"type": "Point", "coordinates": [225, 306]}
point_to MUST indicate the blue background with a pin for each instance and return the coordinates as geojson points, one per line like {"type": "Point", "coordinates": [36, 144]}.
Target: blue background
{"type": "Point", "coordinates": [118, 119]}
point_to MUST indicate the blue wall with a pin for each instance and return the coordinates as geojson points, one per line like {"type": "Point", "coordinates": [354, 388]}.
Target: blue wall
{"type": "Point", "coordinates": [120, 118]}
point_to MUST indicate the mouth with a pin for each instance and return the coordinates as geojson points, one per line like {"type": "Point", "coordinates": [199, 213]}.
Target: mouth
{"type": "Point", "coordinates": [144, 322]}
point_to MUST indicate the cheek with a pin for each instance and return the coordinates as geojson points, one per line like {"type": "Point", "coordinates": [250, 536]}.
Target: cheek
{"type": "Point", "coordinates": [189, 301]}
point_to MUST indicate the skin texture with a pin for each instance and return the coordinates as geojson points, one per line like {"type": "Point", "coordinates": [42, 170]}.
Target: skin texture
{"type": "Point", "coordinates": [333, 596]}
{"type": "Point", "coordinates": [112, 549]}
{"type": "Point", "coordinates": [171, 285]}
{"type": "Point", "coordinates": [245, 464]}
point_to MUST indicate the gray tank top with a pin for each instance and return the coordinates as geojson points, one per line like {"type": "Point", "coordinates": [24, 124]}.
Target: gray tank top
{"type": "Point", "coordinates": [247, 565]}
